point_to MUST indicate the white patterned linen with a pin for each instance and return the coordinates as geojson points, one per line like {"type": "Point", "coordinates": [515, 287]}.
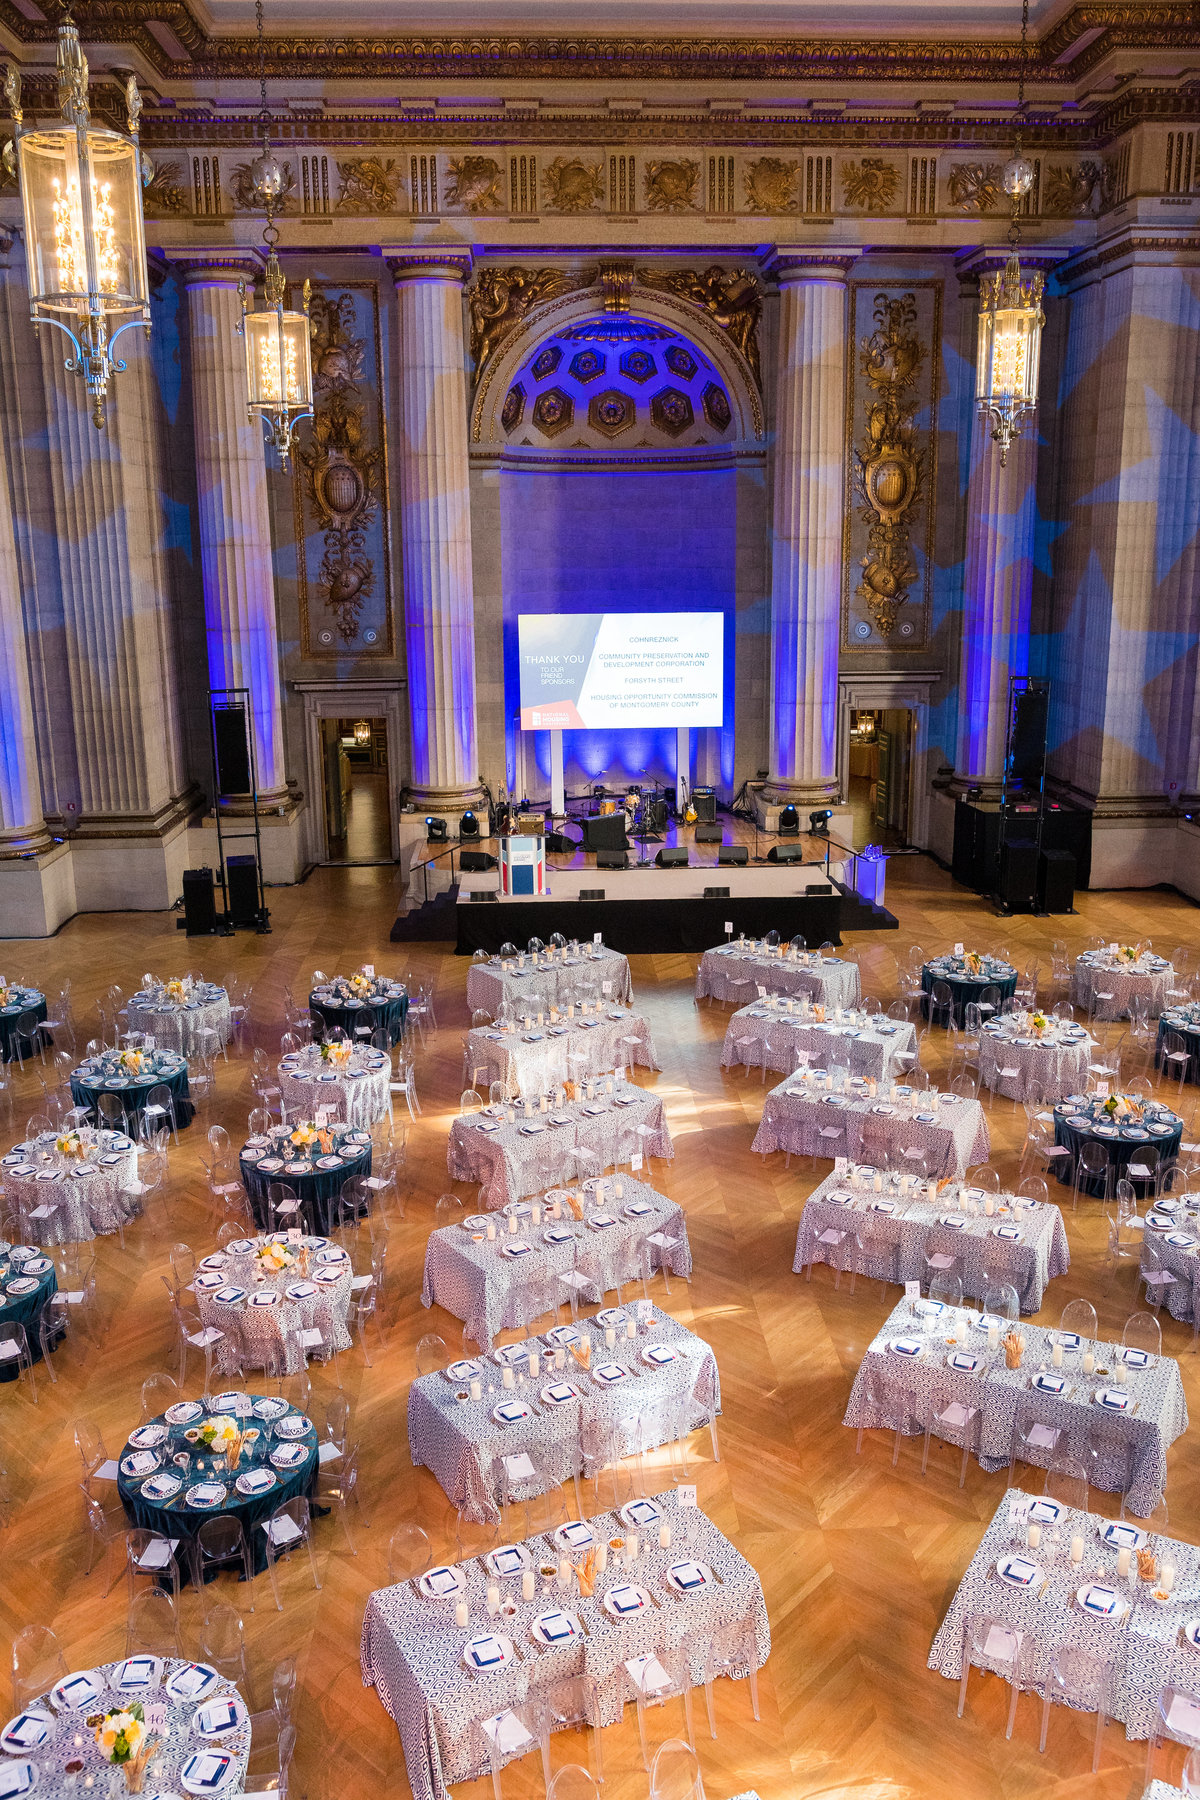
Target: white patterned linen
{"type": "Point", "coordinates": [953, 1133]}
{"type": "Point", "coordinates": [358, 1093]}
{"type": "Point", "coordinates": [66, 1200]}
{"type": "Point", "coordinates": [736, 971]}
{"type": "Point", "coordinates": [866, 1047]}
{"type": "Point", "coordinates": [457, 1440]}
{"type": "Point", "coordinates": [1157, 1412]}
{"type": "Point", "coordinates": [177, 1026]}
{"type": "Point", "coordinates": [1148, 1653]}
{"type": "Point", "coordinates": [1098, 970]}
{"type": "Point", "coordinates": [915, 1224]}
{"type": "Point", "coordinates": [1045, 1068]}
{"type": "Point", "coordinates": [534, 1061]}
{"type": "Point", "coordinates": [255, 1334]}
{"type": "Point", "coordinates": [1177, 1245]}
{"type": "Point", "coordinates": [412, 1650]}
{"type": "Point", "coordinates": [559, 978]}
{"type": "Point", "coordinates": [479, 1284]}
{"type": "Point", "coordinates": [519, 1156]}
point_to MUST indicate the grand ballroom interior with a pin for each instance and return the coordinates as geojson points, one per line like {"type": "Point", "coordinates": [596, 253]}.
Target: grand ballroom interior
{"type": "Point", "coordinates": [599, 827]}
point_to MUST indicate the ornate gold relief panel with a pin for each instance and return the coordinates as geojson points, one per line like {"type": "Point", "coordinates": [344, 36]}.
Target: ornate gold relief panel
{"type": "Point", "coordinates": [893, 382]}
{"type": "Point", "coordinates": [340, 487]}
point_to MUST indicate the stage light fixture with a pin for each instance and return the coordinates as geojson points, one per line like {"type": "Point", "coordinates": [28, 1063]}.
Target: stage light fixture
{"type": "Point", "coordinates": [468, 827]}
{"type": "Point", "coordinates": [435, 831]}
{"type": "Point", "coordinates": [789, 821]}
{"type": "Point", "coordinates": [818, 822]}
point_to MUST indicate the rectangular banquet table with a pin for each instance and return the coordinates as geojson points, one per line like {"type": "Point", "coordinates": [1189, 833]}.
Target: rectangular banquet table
{"type": "Point", "coordinates": [512, 1160]}
{"type": "Point", "coordinates": [1157, 1416]}
{"type": "Point", "coordinates": [458, 1439]}
{"type": "Point", "coordinates": [954, 1138]}
{"type": "Point", "coordinates": [593, 972]}
{"type": "Point", "coordinates": [866, 1049]}
{"type": "Point", "coordinates": [412, 1649]}
{"type": "Point", "coordinates": [479, 1285]}
{"type": "Point", "coordinates": [1178, 1252]}
{"type": "Point", "coordinates": [1028, 1262]}
{"type": "Point", "coordinates": [737, 971]}
{"type": "Point", "coordinates": [1148, 1653]}
{"type": "Point", "coordinates": [533, 1061]}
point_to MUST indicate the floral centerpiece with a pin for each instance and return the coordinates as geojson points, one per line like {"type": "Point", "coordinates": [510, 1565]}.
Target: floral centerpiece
{"type": "Point", "coordinates": [123, 1739]}
{"type": "Point", "coordinates": [361, 985]}
{"type": "Point", "coordinates": [224, 1437]}
{"type": "Point", "coordinates": [178, 990]}
{"type": "Point", "coordinates": [338, 1054]}
{"type": "Point", "coordinates": [131, 1062]}
{"type": "Point", "coordinates": [973, 962]}
{"type": "Point", "coordinates": [1129, 953]}
{"type": "Point", "coordinates": [304, 1135]}
{"type": "Point", "coordinates": [69, 1143]}
{"type": "Point", "coordinates": [1039, 1024]}
{"type": "Point", "coordinates": [274, 1258]}
{"type": "Point", "coordinates": [7, 994]}
{"type": "Point", "coordinates": [1120, 1106]}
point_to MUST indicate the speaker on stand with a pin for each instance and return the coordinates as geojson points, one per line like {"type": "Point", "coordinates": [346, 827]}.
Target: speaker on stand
{"type": "Point", "coordinates": [199, 904]}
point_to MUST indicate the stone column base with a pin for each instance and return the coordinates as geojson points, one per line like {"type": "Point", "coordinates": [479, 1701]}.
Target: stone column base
{"type": "Point", "coordinates": [769, 800]}
{"type": "Point", "coordinates": [445, 800]}
{"type": "Point", "coordinates": [37, 893]}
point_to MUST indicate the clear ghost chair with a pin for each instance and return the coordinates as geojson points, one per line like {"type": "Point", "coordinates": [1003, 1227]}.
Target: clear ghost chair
{"type": "Point", "coordinates": [997, 1648]}
{"type": "Point", "coordinates": [1084, 1683]}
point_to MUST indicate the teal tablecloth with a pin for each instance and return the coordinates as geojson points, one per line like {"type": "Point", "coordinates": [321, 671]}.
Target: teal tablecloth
{"type": "Point", "coordinates": [388, 1012]}
{"type": "Point", "coordinates": [94, 1078]}
{"type": "Point", "coordinates": [25, 1309]}
{"type": "Point", "coordinates": [318, 1189]}
{"type": "Point", "coordinates": [28, 1000]}
{"type": "Point", "coordinates": [1122, 1147]}
{"type": "Point", "coordinates": [966, 987]}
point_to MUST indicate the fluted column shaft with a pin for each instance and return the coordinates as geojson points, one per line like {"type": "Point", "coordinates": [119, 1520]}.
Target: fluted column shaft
{"type": "Point", "coordinates": [808, 515]}
{"type": "Point", "coordinates": [435, 528]}
{"type": "Point", "coordinates": [21, 824]}
{"type": "Point", "coordinates": [235, 525]}
{"type": "Point", "coordinates": [997, 596]}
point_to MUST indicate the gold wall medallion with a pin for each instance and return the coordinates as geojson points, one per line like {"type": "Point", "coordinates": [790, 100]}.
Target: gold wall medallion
{"type": "Point", "coordinates": [730, 297]}
{"type": "Point", "coordinates": [671, 186]}
{"type": "Point", "coordinates": [477, 185]}
{"type": "Point", "coordinates": [870, 183]}
{"type": "Point", "coordinates": [369, 185]}
{"type": "Point", "coordinates": [501, 297]}
{"type": "Point", "coordinates": [975, 187]}
{"type": "Point", "coordinates": [573, 185]}
{"type": "Point", "coordinates": [770, 185]}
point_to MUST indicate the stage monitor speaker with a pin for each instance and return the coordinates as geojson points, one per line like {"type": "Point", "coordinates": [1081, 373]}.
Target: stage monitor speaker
{"type": "Point", "coordinates": [612, 859]}
{"type": "Point", "coordinates": [819, 887]}
{"type": "Point", "coordinates": [716, 893]}
{"type": "Point", "coordinates": [591, 893]}
{"type": "Point", "coordinates": [559, 844]}
{"type": "Point", "coordinates": [232, 748]}
{"type": "Point", "coordinates": [705, 802]}
{"type": "Point", "coordinates": [709, 834]}
{"type": "Point", "coordinates": [672, 856]}
{"type": "Point", "coordinates": [241, 878]}
{"type": "Point", "coordinates": [604, 831]}
{"type": "Point", "coordinates": [487, 894]}
{"type": "Point", "coordinates": [474, 862]}
{"type": "Point", "coordinates": [199, 902]}
{"type": "Point", "coordinates": [736, 855]}
{"type": "Point", "coordinates": [1018, 877]}
{"type": "Point", "coordinates": [1056, 881]}
{"type": "Point", "coordinates": [786, 853]}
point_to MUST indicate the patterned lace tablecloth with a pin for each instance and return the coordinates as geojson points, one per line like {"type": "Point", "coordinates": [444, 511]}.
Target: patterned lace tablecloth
{"type": "Point", "coordinates": [1045, 1069]}
{"type": "Point", "coordinates": [457, 1440]}
{"type": "Point", "coordinates": [487, 1289]}
{"type": "Point", "coordinates": [866, 1048]}
{"type": "Point", "coordinates": [1156, 1417]}
{"type": "Point", "coordinates": [915, 1224]}
{"type": "Point", "coordinates": [412, 1649]}
{"type": "Point", "coordinates": [1176, 1242]}
{"type": "Point", "coordinates": [177, 1026]}
{"type": "Point", "coordinates": [358, 1092]}
{"type": "Point", "coordinates": [523, 1156]}
{"type": "Point", "coordinates": [562, 1052]}
{"type": "Point", "coordinates": [254, 1335]}
{"type": "Point", "coordinates": [1095, 971]}
{"type": "Point", "coordinates": [170, 1723]}
{"type": "Point", "coordinates": [66, 1200]}
{"type": "Point", "coordinates": [954, 1138]}
{"type": "Point", "coordinates": [589, 973]}
{"type": "Point", "coordinates": [1148, 1653]}
{"type": "Point", "coordinates": [737, 971]}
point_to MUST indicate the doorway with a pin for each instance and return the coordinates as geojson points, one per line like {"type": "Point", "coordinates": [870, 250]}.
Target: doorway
{"type": "Point", "coordinates": [354, 764]}
{"type": "Point", "coordinates": [880, 774]}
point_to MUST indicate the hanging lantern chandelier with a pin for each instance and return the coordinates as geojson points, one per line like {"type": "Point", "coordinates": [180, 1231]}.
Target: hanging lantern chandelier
{"type": "Point", "coordinates": [278, 354]}
{"type": "Point", "coordinates": [1010, 307]}
{"type": "Point", "coordinates": [81, 190]}
{"type": "Point", "coordinates": [362, 733]}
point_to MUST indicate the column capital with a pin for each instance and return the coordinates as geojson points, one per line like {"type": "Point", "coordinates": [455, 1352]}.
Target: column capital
{"type": "Point", "coordinates": [216, 268]}
{"type": "Point", "coordinates": [429, 264]}
{"type": "Point", "coordinates": [789, 264]}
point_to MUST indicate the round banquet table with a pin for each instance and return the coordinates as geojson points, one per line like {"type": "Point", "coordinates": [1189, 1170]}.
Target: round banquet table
{"type": "Point", "coordinates": [176, 1517]}
{"type": "Point", "coordinates": [966, 987]}
{"type": "Point", "coordinates": [178, 1026]}
{"type": "Point", "coordinates": [1045, 1068]}
{"type": "Point", "coordinates": [23, 1000]}
{"type": "Point", "coordinates": [385, 1011]}
{"type": "Point", "coordinates": [1079, 1119]}
{"type": "Point", "coordinates": [1185, 1020]}
{"type": "Point", "coordinates": [314, 1290]}
{"type": "Point", "coordinates": [67, 1199]}
{"type": "Point", "coordinates": [28, 1283]}
{"type": "Point", "coordinates": [101, 1075]}
{"type": "Point", "coordinates": [317, 1187]}
{"type": "Point", "coordinates": [1096, 971]}
{"type": "Point", "coordinates": [358, 1093]}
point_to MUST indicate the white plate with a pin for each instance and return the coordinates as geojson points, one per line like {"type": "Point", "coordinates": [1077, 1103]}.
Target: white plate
{"type": "Point", "coordinates": [625, 1601]}
{"type": "Point", "coordinates": [559, 1393]}
{"type": "Point", "coordinates": [288, 1456]}
{"type": "Point", "coordinates": [1019, 1571]}
{"type": "Point", "coordinates": [142, 1462]}
{"type": "Point", "coordinates": [17, 1778]}
{"type": "Point", "coordinates": [608, 1374]}
{"type": "Point", "coordinates": [689, 1577]}
{"type": "Point", "coordinates": [910, 1348]}
{"type": "Point", "coordinates": [184, 1412]}
{"type": "Point", "coordinates": [217, 1718]}
{"type": "Point", "coordinates": [136, 1675]}
{"type": "Point", "coordinates": [294, 1427]}
{"type": "Point", "coordinates": [510, 1412]}
{"type": "Point", "coordinates": [487, 1653]}
{"type": "Point", "coordinates": [577, 1534]}
{"type": "Point", "coordinates": [27, 1732]}
{"type": "Point", "coordinates": [1045, 1512]}
{"type": "Point", "coordinates": [659, 1355]}
{"type": "Point", "coordinates": [641, 1514]}
{"type": "Point", "coordinates": [77, 1692]}
{"type": "Point", "coordinates": [146, 1437]}
{"type": "Point", "coordinates": [1121, 1536]}
{"type": "Point", "coordinates": [254, 1481]}
{"type": "Point", "coordinates": [272, 1406]}
{"type": "Point", "coordinates": [509, 1559]}
{"type": "Point", "coordinates": [1101, 1601]}
{"type": "Point", "coordinates": [466, 1369]}
{"type": "Point", "coordinates": [205, 1495]}
{"type": "Point", "coordinates": [555, 1627]}
{"type": "Point", "coordinates": [442, 1583]}
{"type": "Point", "coordinates": [209, 1772]}
{"type": "Point", "coordinates": [161, 1487]}
{"type": "Point", "coordinates": [191, 1682]}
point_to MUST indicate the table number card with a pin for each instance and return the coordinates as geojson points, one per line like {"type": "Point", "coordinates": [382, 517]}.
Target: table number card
{"type": "Point", "coordinates": [596, 936]}
{"type": "Point", "coordinates": [635, 1162]}
{"type": "Point", "coordinates": [685, 1493]}
{"type": "Point", "coordinates": [368, 970]}
{"type": "Point", "coordinates": [606, 989]}
{"type": "Point", "coordinates": [912, 1290]}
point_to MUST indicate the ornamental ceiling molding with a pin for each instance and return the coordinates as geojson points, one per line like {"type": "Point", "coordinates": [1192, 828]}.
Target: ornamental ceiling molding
{"type": "Point", "coordinates": [1093, 260]}
{"type": "Point", "coordinates": [1084, 36]}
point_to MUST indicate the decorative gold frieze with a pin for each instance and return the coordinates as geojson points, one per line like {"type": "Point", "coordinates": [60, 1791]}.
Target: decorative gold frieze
{"type": "Point", "coordinates": [730, 297]}
{"type": "Point", "coordinates": [478, 184]}
{"type": "Point", "coordinates": [975, 187]}
{"type": "Point", "coordinates": [869, 183]}
{"type": "Point", "coordinates": [369, 185]}
{"type": "Point", "coordinates": [167, 191]}
{"type": "Point", "coordinates": [671, 186]}
{"type": "Point", "coordinates": [1069, 191]}
{"type": "Point", "coordinates": [572, 185]}
{"type": "Point", "coordinates": [770, 185]}
{"type": "Point", "coordinates": [501, 297]}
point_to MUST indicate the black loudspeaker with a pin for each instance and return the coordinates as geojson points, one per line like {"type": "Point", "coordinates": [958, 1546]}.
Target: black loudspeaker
{"type": "Point", "coordinates": [591, 893]}
{"type": "Point", "coordinates": [612, 859]}
{"type": "Point", "coordinates": [976, 846]}
{"type": "Point", "coordinates": [819, 887]}
{"type": "Point", "coordinates": [709, 834]}
{"type": "Point", "coordinates": [786, 853]}
{"type": "Point", "coordinates": [474, 862]}
{"type": "Point", "coordinates": [487, 894]}
{"type": "Point", "coordinates": [716, 893]}
{"type": "Point", "coordinates": [672, 856]}
{"type": "Point", "coordinates": [1027, 749]}
{"type": "Point", "coordinates": [1056, 881]}
{"type": "Point", "coordinates": [605, 831]}
{"type": "Point", "coordinates": [1018, 879]}
{"type": "Point", "coordinates": [705, 803]}
{"type": "Point", "coordinates": [199, 902]}
{"type": "Point", "coordinates": [241, 878]}
{"type": "Point", "coordinates": [735, 854]}
{"type": "Point", "coordinates": [233, 749]}
{"type": "Point", "coordinates": [559, 844]}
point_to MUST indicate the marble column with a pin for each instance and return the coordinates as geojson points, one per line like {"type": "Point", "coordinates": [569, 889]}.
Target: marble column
{"type": "Point", "coordinates": [808, 516]}
{"type": "Point", "coordinates": [237, 563]}
{"type": "Point", "coordinates": [435, 526]}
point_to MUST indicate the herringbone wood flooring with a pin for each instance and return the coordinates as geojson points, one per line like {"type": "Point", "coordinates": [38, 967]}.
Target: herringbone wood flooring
{"type": "Point", "coordinates": [858, 1561]}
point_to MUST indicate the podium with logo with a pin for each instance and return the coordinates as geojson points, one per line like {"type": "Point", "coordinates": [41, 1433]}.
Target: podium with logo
{"type": "Point", "coordinates": [522, 865]}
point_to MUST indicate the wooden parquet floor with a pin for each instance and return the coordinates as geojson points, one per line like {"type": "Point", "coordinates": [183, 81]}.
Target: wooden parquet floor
{"type": "Point", "coordinates": [858, 1560]}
